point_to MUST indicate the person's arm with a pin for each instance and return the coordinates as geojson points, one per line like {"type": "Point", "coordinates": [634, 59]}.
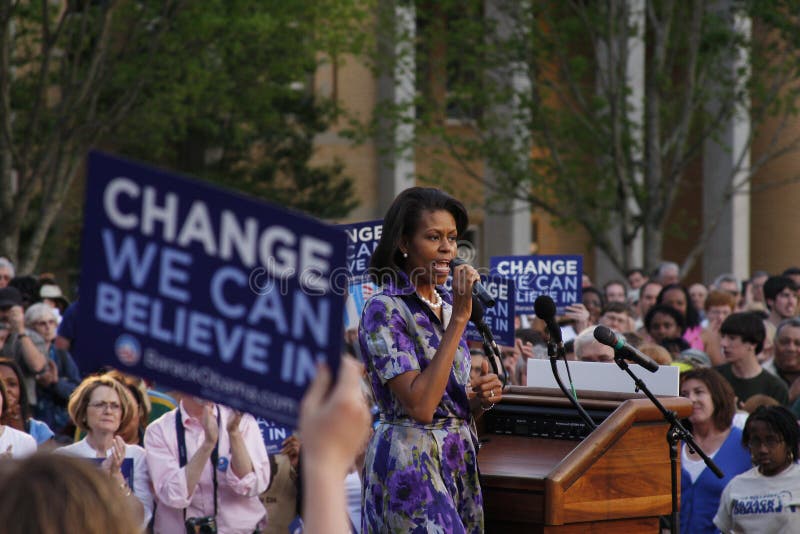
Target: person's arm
{"type": "Point", "coordinates": [34, 360]}
{"type": "Point", "coordinates": [240, 458]}
{"type": "Point", "coordinates": [198, 461]}
{"type": "Point", "coordinates": [485, 391]}
{"type": "Point", "coordinates": [68, 378]}
{"type": "Point", "coordinates": [250, 472]}
{"type": "Point", "coordinates": [113, 464]}
{"type": "Point", "coordinates": [421, 392]}
{"type": "Point", "coordinates": [141, 485]}
{"type": "Point", "coordinates": [722, 519]}
{"type": "Point", "coordinates": [333, 428]}
{"type": "Point", "coordinates": [168, 477]}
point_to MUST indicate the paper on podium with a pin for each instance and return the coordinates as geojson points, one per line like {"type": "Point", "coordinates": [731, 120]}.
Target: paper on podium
{"type": "Point", "coordinates": [596, 376]}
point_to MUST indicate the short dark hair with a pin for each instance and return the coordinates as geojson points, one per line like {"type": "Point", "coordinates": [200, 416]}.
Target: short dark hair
{"type": "Point", "coordinates": [790, 271]}
{"type": "Point", "coordinates": [401, 220]}
{"type": "Point", "coordinates": [793, 322]}
{"type": "Point", "coordinates": [617, 307]}
{"type": "Point", "coordinates": [529, 335]}
{"type": "Point", "coordinates": [666, 310]}
{"type": "Point", "coordinates": [776, 284]}
{"type": "Point", "coordinates": [779, 419]}
{"type": "Point", "coordinates": [596, 292]}
{"type": "Point", "coordinates": [692, 318]}
{"type": "Point", "coordinates": [634, 270]}
{"type": "Point", "coordinates": [24, 410]}
{"type": "Point", "coordinates": [722, 394]}
{"type": "Point", "coordinates": [675, 345]}
{"type": "Point", "coordinates": [613, 283]}
{"type": "Point", "coordinates": [748, 326]}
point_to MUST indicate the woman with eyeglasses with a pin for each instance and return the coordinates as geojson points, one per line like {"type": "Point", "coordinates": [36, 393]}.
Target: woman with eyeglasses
{"type": "Point", "coordinates": [713, 408]}
{"type": "Point", "coordinates": [101, 406]}
{"type": "Point", "coordinates": [60, 375]}
{"type": "Point", "coordinates": [767, 497]}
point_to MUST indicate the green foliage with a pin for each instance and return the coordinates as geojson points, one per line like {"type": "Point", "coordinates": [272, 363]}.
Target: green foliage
{"type": "Point", "coordinates": [219, 88]}
{"type": "Point", "coordinates": [573, 142]}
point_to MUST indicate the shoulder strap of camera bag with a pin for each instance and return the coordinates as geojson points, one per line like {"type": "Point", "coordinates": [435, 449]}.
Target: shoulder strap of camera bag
{"type": "Point", "coordinates": [179, 431]}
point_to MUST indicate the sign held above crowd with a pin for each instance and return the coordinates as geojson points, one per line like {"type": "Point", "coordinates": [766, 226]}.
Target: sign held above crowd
{"type": "Point", "coordinates": [207, 291]}
{"type": "Point", "coordinates": [558, 277]}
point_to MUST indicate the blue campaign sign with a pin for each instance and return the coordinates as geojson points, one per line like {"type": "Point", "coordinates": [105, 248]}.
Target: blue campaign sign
{"type": "Point", "coordinates": [207, 291]}
{"type": "Point", "coordinates": [273, 434]}
{"type": "Point", "coordinates": [362, 238]}
{"type": "Point", "coordinates": [500, 318]}
{"type": "Point", "coordinates": [357, 295]}
{"type": "Point", "coordinates": [556, 276]}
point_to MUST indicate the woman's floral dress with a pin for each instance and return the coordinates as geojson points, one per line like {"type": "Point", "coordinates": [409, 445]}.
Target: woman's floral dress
{"type": "Point", "coordinates": [417, 477]}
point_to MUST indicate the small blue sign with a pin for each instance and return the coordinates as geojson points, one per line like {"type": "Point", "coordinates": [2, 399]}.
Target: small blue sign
{"type": "Point", "coordinates": [207, 291]}
{"type": "Point", "coordinates": [273, 434]}
{"type": "Point", "coordinates": [556, 276]}
{"type": "Point", "coordinates": [500, 318]}
{"type": "Point", "coordinates": [362, 238]}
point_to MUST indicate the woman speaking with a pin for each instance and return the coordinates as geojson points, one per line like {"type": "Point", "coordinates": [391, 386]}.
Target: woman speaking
{"type": "Point", "coordinates": [420, 471]}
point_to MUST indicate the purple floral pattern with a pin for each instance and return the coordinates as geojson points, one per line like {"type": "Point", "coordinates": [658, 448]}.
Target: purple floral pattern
{"type": "Point", "coordinates": [417, 477]}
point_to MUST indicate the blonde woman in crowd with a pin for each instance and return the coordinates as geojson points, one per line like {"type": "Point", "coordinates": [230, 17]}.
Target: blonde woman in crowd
{"type": "Point", "coordinates": [101, 406]}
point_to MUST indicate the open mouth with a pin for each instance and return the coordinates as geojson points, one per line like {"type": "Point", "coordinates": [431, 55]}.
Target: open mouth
{"type": "Point", "coordinates": [441, 267]}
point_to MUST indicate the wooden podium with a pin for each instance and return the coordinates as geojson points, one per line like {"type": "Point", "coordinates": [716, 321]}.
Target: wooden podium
{"type": "Point", "coordinates": [615, 480]}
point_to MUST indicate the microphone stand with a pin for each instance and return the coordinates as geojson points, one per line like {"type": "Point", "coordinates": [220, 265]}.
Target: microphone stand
{"type": "Point", "coordinates": [492, 351]}
{"type": "Point", "coordinates": [676, 433]}
{"type": "Point", "coordinates": [553, 351]}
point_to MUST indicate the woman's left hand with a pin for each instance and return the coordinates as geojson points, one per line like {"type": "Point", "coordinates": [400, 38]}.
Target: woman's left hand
{"type": "Point", "coordinates": [487, 388]}
{"type": "Point", "coordinates": [233, 423]}
{"type": "Point", "coordinates": [113, 462]}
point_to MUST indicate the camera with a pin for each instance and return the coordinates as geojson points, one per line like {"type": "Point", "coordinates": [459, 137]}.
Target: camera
{"type": "Point", "coordinates": [201, 525]}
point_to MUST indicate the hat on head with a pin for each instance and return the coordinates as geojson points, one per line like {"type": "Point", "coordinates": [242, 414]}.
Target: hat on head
{"type": "Point", "coordinates": [10, 296]}
{"type": "Point", "coordinates": [53, 292]}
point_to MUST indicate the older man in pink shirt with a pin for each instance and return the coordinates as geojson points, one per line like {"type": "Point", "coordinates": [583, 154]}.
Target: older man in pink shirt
{"type": "Point", "coordinates": [188, 491]}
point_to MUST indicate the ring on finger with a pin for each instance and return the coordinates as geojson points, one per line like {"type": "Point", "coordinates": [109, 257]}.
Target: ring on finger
{"type": "Point", "coordinates": [491, 393]}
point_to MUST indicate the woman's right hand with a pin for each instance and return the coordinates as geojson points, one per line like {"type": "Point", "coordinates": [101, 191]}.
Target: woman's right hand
{"type": "Point", "coordinates": [464, 277]}
{"type": "Point", "coordinates": [209, 422]}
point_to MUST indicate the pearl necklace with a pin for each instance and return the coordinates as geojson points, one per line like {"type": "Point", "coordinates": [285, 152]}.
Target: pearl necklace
{"type": "Point", "coordinates": [437, 299]}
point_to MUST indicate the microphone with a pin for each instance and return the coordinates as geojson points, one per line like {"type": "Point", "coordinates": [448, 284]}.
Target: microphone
{"type": "Point", "coordinates": [493, 352]}
{"type": "Point", "coordinates": [606, 336]}
{"type": "Point", "coordinates": [545, 309]}
{"type": "Point", "coordinates": [477, 288]}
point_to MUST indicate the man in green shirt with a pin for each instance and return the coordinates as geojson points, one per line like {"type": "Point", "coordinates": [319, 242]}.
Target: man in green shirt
{"type": "Point", "coordinates": [742, 338]}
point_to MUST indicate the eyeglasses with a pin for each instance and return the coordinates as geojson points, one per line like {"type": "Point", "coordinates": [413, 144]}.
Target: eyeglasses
{"type": "Point", "coordinates": [770, 441]}
{"type": "Point", "coordinates": [103, 406]}
{"type": "Point", "coordinates": [49, 322]}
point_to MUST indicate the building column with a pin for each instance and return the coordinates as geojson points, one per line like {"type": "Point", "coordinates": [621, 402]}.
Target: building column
{"type": "Point", "coordinates": [726, 164]}
{"type": "Point", "coordinates": [396, 86]}
{"type": "Point", "coordinates": [507, 228]}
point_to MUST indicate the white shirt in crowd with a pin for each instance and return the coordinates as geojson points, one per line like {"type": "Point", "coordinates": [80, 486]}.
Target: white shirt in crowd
{"type": "Point", "coordinates": [752, 502]}
{"type": "Point", "coordinates": [141, 476]}
{"type": "Point", "coordinates": [18, 443]}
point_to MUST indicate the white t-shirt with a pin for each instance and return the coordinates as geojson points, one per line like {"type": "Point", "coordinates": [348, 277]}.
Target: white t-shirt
{"type": "Point", "coordinates": [752, 502]}
{"type": "Point", "coordinates": [141, 476]}
{"type": "Point", "coordinates": [21, 444]}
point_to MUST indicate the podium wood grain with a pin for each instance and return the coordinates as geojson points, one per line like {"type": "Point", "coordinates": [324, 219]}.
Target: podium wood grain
{"type": "Point", "coordinates": [615, 480]}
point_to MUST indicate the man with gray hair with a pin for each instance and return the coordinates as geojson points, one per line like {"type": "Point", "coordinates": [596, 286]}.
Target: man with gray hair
{"type": "Point", "coordinates": [588, 349]}
{"type": "Point", "coordinates": [6, 272]}
{"type": "Point", "coordinates": [668, 273]}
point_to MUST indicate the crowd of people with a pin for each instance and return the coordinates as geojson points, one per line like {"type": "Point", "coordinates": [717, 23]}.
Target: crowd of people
{"type": "Point", "coordinates": [158, 461]}
{"type": "Point", "coordinates": [737, 344]}
{"type": "Point", "coordinates": [167, 462]}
